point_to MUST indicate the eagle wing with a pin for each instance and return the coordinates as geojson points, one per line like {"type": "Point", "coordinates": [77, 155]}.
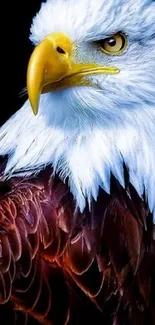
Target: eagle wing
{"type": "Point", "coordinates": [59, 266]}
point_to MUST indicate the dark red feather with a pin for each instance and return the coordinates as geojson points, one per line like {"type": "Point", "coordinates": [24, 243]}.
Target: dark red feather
{"type": "Point", "coordinates": [58, 266]}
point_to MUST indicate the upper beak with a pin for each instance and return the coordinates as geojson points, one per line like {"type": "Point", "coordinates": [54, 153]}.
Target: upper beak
{"type": "Point", "coordinates": [50, 67]}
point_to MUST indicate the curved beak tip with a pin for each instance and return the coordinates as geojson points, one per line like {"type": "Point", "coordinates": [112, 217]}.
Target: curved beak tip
{"type": "Point", "coordinates": [46, 66]}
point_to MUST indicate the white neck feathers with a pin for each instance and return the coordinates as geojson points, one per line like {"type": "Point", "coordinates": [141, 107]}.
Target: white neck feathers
{"type": "Point", "coordinates": [81, 148]}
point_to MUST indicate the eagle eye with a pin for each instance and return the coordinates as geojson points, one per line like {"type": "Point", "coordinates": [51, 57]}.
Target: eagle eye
{"type": "Point", "coordinates": [114, 44]}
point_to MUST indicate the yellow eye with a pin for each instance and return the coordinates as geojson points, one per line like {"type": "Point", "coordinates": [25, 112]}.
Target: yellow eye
{"type": "Point", "coordinates": [113, 45]}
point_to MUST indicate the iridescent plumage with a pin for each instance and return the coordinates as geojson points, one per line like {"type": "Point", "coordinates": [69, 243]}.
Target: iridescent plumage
{"type": "Point", "coordinates": [77, 203]}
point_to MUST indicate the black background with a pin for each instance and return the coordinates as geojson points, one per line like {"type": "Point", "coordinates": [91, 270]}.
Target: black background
{"type": "Point", "coordinates": [16, 19]}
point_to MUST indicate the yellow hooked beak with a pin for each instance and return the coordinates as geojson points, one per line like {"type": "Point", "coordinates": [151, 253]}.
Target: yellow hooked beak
{"type": "Point", "coordinates": [51, 67]}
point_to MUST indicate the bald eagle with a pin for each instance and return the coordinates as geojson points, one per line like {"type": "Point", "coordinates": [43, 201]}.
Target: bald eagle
{"type": "Point", "coordinates": [77, 170]}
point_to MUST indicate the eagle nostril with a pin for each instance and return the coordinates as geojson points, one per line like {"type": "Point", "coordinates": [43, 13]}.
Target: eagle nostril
{"type": "Point", "coordinates": [60, 50]}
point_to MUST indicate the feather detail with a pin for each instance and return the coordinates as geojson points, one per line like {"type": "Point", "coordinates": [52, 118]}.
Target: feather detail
{"type": "Point", "coordinates": [55, 260]}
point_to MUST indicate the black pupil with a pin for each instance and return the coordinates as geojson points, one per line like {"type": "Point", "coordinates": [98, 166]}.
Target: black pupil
{"type": "Point", "coordinates": [60, 50]}
{"type": "Point", "coordinates": [111, 41]}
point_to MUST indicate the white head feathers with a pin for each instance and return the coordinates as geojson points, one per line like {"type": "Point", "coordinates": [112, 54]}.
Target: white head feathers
{"type": "Point", "coordinates": [87, 133]}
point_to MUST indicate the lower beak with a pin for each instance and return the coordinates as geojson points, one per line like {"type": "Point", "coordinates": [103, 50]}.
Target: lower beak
{"type": "Point", "coordinates": [50, 68]}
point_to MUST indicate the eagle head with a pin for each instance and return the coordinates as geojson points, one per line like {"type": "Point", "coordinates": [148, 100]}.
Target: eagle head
{"type": "Point", "coordinates": [91, 86]}
{"type": "Point", "coordinates": [98, 56]}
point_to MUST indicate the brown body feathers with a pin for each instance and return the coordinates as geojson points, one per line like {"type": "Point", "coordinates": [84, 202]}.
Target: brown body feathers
{"type": "Point", "coordinates": [58, 266]}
